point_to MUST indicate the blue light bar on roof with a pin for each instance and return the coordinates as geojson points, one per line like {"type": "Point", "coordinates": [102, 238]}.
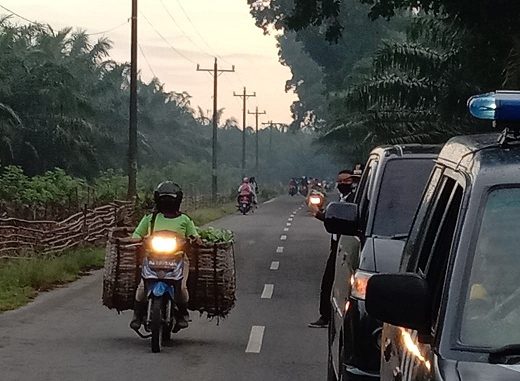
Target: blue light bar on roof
{"type": "Point", "coordinates": [501, 105]}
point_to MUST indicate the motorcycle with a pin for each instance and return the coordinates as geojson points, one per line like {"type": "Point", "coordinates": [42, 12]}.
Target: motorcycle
{"type": "Point", "coordinates": [316, 200]}
{"type": "Point", "coordinates": [244, 204]}
{"type": "Point", "coordinates": [292, 190]}
{"type": "Point", "coordinates": [162, 272]}
{"type": "Point", "coordinates": [304, 190]}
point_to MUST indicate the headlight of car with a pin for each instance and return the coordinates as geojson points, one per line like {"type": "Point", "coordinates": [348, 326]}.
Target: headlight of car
{"type": "Point", "coordinates": [163, 245]}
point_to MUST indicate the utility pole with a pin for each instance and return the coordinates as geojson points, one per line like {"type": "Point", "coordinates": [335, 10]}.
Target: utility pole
{"type": "Point", "coordinates": [270, 124]}
{"type": "Point", "coordinates": [132, 130]}
{"type": "Point", "coordinates": [256, 113]}
{"type": "Point", "coordinates": [216, 73]}
{"type": "Point", "coordinates": [244, 97]}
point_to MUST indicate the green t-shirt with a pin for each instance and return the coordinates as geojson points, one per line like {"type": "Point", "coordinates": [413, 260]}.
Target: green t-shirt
{"type": "Point", "coordinates": [182, 225]}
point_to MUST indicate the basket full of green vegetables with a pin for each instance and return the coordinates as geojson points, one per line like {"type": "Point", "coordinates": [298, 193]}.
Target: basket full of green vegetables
{"type": "Point", "coordinates": [212, 279]}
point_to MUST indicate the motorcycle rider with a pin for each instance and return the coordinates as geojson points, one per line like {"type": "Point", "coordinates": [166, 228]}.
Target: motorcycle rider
{"type": "Point", "coordinates": [166, 216]}
{"type": "Point", "coordinates": [346, 183]}
{"type": "Point", "coordinates": [245, 189]}
{"type": "Point", "coordinates": [254, 186]}
{"type": "Point", "coordinates": [293, 185]}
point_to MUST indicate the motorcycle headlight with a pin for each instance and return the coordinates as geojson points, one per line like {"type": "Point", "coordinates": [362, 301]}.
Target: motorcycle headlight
{"type": "Point", "coordinates": [315, 200]}
{"type": "Point", "coordinates": [163, 245]}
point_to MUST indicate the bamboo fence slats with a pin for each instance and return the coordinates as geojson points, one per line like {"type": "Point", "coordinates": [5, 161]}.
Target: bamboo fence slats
{"type": "Point", "coordinates": [20, 237]}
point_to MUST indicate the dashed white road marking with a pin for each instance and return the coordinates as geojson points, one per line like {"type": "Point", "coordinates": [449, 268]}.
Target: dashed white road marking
{"type": "Point", "coordinates": [285, 229]}
{"type": "Point", "coordinates": [283, 237]}
{"type": "Point", "coordinates": [269, 201]}
{"type": "Point", "coordinates": [279, 249]}
{"type": "Point", "coordinates": [256, 337]}
{"type": "Point", "coordinates": [267, 293]}
{"type": "Point", "coordinates": [288, 224]}
{"type": "Point", "coordinates": [275, 265]}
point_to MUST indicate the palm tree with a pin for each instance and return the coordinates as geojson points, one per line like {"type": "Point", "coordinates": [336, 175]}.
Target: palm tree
{"type": "Point", "coordinates": [413, 93]}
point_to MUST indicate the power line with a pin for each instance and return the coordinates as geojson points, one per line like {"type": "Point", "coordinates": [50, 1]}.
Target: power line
{"type": "Point", "coordinates": [166, 41]}
{"type": "Point", "coordinates": [199, 34]}
{"type": "Point", "coordinates": [193, 25]}
{"type": "Point", "coordinates": [204, 51]}
{"type": "Point", "coordinates": [37, 23]}
{"type": "Point", "coordinates": [110, 30]}
{"type": "Point", "coordinates": [19, 16]}
{"type": "Point", "coordinates": [146, 60]}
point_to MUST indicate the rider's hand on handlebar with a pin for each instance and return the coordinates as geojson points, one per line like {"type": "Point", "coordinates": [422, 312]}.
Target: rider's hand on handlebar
{"type": "Point", "coordinates": [195, 241]}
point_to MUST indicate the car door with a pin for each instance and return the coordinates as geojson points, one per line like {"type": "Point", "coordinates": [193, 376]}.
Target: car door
{"type": "Point", "coordinates": [413, 356]}
{"type": "Point", "coordinates": [347, 259]}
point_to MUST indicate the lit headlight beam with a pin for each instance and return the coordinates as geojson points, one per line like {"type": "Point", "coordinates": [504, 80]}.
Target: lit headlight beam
{"type": "Point", "coordinates": [164, 245]}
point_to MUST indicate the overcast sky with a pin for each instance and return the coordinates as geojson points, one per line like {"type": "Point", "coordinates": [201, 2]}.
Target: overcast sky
{"type": "Point", "coordinates": [206, 28]}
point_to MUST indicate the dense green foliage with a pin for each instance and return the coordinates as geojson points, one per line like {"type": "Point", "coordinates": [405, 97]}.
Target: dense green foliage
{"type": "Point", "coordinates": [64, 104]}
{"type": "Point", "coordinates": [402, 81]}
{"type": "Point", "coordinates": [215, 235]}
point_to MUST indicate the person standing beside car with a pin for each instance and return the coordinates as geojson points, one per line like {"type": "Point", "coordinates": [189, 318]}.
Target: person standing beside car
{"type": "Point", "coordinates": [346, 183]}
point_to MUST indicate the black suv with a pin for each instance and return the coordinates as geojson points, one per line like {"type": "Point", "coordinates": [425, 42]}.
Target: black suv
{"type": "Point", "coordinates": [454, 310]}
{"type": "Point", "coordinates": [373, 230]}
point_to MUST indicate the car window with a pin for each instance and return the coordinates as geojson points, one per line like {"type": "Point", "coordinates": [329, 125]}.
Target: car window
{"type": "Point", "coordinates": [418, 225]}
{"type": "Point", "coordinates": [364, 203]}
{"type": "Point", "coordinates": [432, 224]}
{"type": "Point", "coordinates": [491, 312]}
{"type": "Point", "coordinates": [402, 186]}
{"type": "Point", "coordinates": [437, 264]}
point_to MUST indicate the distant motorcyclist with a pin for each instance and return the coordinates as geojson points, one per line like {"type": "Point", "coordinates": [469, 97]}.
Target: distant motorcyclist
{"type": "Point", "coordinates": [293, 186]}
{"type": "Point", "coordinates": [254, 186]}
{"type": "Point", "coordinates": [245, 189]}
{"type": "Point", "coordinates": [166, 216]}
{"type": "Point", "coordinates": [304, 186]}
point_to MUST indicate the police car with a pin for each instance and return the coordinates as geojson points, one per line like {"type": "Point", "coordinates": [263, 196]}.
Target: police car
{"type": "Point", "coordinates": [453, 311]}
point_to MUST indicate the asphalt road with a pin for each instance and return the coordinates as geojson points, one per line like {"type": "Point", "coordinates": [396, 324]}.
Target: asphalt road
{"type": "Point", "coordinates": [67, 334]}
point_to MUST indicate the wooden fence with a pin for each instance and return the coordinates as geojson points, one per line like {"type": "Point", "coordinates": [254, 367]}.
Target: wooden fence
{"type": "Point", "coordinates": [24, 238]}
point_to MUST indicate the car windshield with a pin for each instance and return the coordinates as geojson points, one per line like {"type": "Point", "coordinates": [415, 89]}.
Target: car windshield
{"type": "Point", "coordinates": [491, 314]}
{"type": "Point", "coordinates": [401, 189]}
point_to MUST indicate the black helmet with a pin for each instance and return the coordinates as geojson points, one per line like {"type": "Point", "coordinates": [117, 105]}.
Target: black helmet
{"type": "Point", "coordinates": [168, 197]}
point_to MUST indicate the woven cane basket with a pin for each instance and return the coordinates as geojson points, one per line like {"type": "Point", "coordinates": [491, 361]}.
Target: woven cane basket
{"type": "Point", "coordinates": [121, 273]}
{"type": "Point", "coordinates": [212, 279]}
{"type": "Point", "coordinates": [211, 282]}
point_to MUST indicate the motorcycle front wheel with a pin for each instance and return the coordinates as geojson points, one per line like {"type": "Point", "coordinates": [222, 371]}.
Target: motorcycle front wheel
{"type": "Point", "coordinates": [156, 324]}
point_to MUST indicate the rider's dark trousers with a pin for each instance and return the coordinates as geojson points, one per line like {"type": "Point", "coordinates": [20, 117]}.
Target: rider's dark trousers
{"type": "Point", "coordinates": [328, 280]}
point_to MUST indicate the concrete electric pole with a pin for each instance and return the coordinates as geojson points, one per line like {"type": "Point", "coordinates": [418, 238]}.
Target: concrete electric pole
{"type": "Point", "coordinates": [256, 113]}
{"type": "Point", "coordinates": [244, 97]}
{"type": "Point", "coordinates": [132, 130]}
{"type": "Point", "coordinates": [215, 72]}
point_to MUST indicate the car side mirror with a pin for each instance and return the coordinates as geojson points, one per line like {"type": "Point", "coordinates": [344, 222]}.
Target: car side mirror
{"type": "Point", "coordinates": [400, 299]}
{"type": "Point", "coordinates": [341, 218]}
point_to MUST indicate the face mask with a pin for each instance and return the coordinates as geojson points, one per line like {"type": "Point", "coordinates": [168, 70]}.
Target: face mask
{"type": "Point", "coordinates": [344, 189]}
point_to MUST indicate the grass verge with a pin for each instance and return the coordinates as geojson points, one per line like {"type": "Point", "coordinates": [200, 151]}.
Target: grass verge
{"type": "Point", "coordinates": [204, 215]}
{"type": "Point", "coordinates": [22, 279]}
